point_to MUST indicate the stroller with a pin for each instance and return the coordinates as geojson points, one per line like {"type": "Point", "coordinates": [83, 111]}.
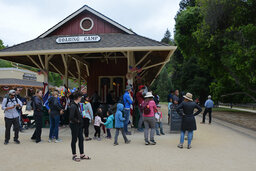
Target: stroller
{"type": "Point", "coordinates": [27, 121]}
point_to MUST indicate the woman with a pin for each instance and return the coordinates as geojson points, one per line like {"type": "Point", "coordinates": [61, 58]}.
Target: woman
{"type": "Point", "coordinates": [38, 115]}
{"type": "Point", "coordinates": [87, 114]}
{"type": "Point", "coordinates": [188, 118]}
{"type": "Point", "coordinates": [76, 126]}
{"type": "Point", "coordinates": [55, 112]}
{"type": "Point", "coordinates": [149, 108]}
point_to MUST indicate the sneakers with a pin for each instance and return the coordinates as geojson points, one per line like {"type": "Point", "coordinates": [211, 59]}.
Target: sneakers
{"type": "Point", "coordinates": [189, 147]}
{"type": "Point", "coordinates": [158, 134]}
{"type": "Point", "coordinates": [162, 133]}
{"type": "Point", "coordinates": [115, 144]}
{"type": "Point", "coordinates": [180, 146]}
{"type": "Point", "coordinates": [147, 143]}
{"type": "Point", "coordinates": [58, 140]}
{"type": "Point", "coordinates": [6, 142]}
{"type": "Point", "coordinates": [153, 142]}
{"type": "Point", "coordinates": [95, 138]}
{"type": "Point", "coordinates": [17, 141]}
{"type": "Point", "coordinates": [50, 140]}
{"type": "Point", "coordinates": [88, 139]}
{"type": "Point", "coordinates": [128, 142]}
{"type": "Point", "coordinates": [99, 139]}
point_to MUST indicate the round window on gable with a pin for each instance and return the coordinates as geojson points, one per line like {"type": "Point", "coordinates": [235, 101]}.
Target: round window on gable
{"type": "Point", "coordinates": [86, 24]}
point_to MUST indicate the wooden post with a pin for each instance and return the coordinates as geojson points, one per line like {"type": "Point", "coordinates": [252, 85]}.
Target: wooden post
{"type": "Point", "coordinates": [78, 65]}
{"type": "Point", "coordinates": [46, 69]}
{"type": "Point", "coordinates": [64, 59]}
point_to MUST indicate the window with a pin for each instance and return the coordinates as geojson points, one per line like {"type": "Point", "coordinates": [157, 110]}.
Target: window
{"type": "Point", "coordinates": [86, 24]}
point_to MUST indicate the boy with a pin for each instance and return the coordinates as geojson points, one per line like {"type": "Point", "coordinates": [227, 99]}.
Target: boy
{"type": "Point", "coordinates": [159, 117]}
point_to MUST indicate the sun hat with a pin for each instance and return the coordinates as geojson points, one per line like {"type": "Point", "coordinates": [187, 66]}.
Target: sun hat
{"type": "Point", "coordinates": [189, 96]}
{"type": "Point", "coordinates": [12, 92]}
{"type": "Point", "coordinates": [148, 95]}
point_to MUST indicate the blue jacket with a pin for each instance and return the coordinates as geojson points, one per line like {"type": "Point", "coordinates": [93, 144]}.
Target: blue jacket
{"type": "Point", "coordinates": [119, 119]}
{"type": "Point", "coordinates": [127, 100]}
{"type": "Point", "coordinates": [110, 122]}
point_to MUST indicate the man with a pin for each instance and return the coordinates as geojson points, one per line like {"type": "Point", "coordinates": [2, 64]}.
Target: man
{"type": "Point", "coordinates": [175, 98]}
{"type": "Point", "coordinates": [128, 100]}
{"type": "Point", "coordinates": [11, 116]}
{"type": "Point", "coordinates": [208, 109]}
{"type": "Point", "coordinates": [140, 99]}
{"type": "Point", "coordinates": [19, 109]}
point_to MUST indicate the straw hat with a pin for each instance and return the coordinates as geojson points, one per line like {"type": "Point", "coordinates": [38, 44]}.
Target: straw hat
{"type": "Point", "coordinates": [189, 96]}
{"type": "Point", "coordinates": [149, 95]}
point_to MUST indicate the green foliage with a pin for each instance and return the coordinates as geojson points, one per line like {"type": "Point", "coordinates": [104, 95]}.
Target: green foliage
{"type": "Point", "coordinates": [167, 37]}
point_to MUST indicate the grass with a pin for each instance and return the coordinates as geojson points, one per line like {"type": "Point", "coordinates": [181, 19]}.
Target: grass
{"type": "Point", "coordinates": [219, 109]}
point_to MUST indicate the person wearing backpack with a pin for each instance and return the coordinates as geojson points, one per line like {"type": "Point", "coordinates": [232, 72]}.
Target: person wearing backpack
{"type": "Point", "coordinates": [11, 116]}
{"type": "Point", "coordinates": [149, 108]}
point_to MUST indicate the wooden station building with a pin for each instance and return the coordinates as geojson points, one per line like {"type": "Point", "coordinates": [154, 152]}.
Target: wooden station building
{"type": "Point", "coordinates": [89, 46]}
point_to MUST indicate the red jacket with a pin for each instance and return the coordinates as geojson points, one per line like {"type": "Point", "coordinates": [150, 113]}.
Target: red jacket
{"type": "Point", "coordinates": [139, 97]}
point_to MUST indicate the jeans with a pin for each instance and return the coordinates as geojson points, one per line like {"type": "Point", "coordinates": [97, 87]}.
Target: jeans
{"type": "Point", "coordinates": [77, 133]}
{"type": "Point", "coordinates": [8, 125]}
{"type": "Point", "coordinates": [182, 136]}
{"type": "Point", "coordinates": [207, 110]}
{"type": "Point", "coordinates": [108, 133]}
{"type": "Point", "coordinates": [149, 122]}
{"type": "Point", "coordinates": [159, 125]}
{"type": "Point", "coordinates": [39, 123]}
{"type": "Point", "coordinates": [117, 134]}
{"type": "Point", "coordinates": [54, 126]}
{"type": "Point", "coordinates": [127, 118]}
{"type": "Point", "coordinates": [140, 119]}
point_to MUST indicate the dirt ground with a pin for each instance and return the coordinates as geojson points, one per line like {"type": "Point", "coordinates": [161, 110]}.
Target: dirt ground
{"type": "Point", "coordinates": [244, 119]}
{"type": "Point", "coordinates": [214, 147]}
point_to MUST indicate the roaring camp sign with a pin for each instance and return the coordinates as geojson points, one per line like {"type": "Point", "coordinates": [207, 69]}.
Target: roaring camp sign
{"type": "Point", "coordinates": [78, 39]}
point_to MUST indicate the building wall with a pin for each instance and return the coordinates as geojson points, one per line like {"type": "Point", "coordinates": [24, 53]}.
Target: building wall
{"type": "Point", "coordinates": [18, 74]}
{"type": "Point", "coordinates": [72, 27]}
{"type": "Point", "coordinates": [97, 69]}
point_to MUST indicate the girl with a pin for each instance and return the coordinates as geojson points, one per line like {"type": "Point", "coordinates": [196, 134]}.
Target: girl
{"type": "Point", "coordinates": [76, 127]}
{"type": "Point", "coordinates": [87, 114]}
{"type": "Point", "coordinates": [97, 123]}
{"type": "Point", "coordinates": [188, 118]}
{"type": "Point", "coordinates": [149, 108]}
{"type": "Point", "coordinates": [109, 123]}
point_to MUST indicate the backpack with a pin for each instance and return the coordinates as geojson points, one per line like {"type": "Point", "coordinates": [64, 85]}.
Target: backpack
{"type": "Point", "coordinates": [146, 109]}
{"type": "Point", "coordinates": [8, 100]}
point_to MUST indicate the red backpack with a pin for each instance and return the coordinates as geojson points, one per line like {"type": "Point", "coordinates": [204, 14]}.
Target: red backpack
{"type": "Point", "coordinates": [146, 109]}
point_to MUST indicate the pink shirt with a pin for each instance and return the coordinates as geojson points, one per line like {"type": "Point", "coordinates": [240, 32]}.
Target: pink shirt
{"type": "Point", "coordinates": [152, 106]}
{"type": "Point", "coordinates": [98, 121]}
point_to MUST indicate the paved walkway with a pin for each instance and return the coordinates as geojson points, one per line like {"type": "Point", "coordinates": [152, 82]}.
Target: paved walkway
{"type": "Point", "coordinates": [240, 109]}
{"type": "Point", "coordinates": [219, 146]}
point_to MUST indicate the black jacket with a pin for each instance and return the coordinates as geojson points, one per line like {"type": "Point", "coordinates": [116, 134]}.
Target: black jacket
{"type": "Point", "coordinates": [37, 105]}
{"type": "Point", "coordinates": [188, 119]}
{"type": "Point", "coordinates": [75, 116]}
{"type": "Point", "coordinates": [55, 106]}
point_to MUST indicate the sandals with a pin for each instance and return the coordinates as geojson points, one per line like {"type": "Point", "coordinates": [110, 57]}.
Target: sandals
{"type": "Point", "coordinates": [75, 158]}
{"type": "Point", "coordinates": [84, 157]}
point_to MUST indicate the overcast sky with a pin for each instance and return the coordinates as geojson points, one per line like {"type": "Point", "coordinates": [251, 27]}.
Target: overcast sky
{"type": "Point", "coordinates": [23, 20]}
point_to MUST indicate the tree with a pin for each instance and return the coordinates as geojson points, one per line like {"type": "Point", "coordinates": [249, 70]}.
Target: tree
{"type": "Point", "coordinates": [167, 37]}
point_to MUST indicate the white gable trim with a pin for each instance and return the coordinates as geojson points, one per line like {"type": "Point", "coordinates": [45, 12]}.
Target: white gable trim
{"type": "Point", "coordinates": [93, 12]}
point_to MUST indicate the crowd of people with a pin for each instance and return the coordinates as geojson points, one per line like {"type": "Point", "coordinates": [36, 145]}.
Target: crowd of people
{"type": "Point", "coordinates": [78, 111]}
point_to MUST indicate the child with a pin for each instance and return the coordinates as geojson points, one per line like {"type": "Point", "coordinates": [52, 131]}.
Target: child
{"type": "Point", "coordinates": [159, 117]}
{"type": "Point", "coordinates": [169, 110]}
{"type": "Point", "coordinates": [119, 124]}
{"type": "Point", "coordinates": [97, 123]}
{"type": "Point", "coordinates": [109, 123]}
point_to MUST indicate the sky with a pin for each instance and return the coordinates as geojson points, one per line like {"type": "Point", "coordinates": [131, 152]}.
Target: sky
{"type": "Point", "coordinates": [23, 20]}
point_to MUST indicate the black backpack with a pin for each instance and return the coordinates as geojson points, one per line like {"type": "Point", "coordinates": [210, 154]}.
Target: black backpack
{"type": "Point", "coordinates": [8, 100]}
{"type": "Point", "coordinates": [146, 109]}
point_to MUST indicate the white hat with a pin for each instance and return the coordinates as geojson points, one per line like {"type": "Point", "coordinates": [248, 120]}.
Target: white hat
{"type": "Point", "coordinates": [12, 92]}
{"type": "Point", "coordinates": [148, 95]}
{"type": "Point", "coordinates": [189, 96]}
{"type": "Point", "coordinates": [209, 96]}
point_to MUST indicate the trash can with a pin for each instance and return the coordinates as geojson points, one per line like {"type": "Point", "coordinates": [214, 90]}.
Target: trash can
{"type": "Point", "coordinates": [175, 124]}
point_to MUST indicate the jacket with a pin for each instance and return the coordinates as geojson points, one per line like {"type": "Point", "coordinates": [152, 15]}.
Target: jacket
{"type": "Point", "coordinates": [86, 109]}
{"type": "Point", "coordinates": [119, 119]}
{"type": "Point", "coordinates": [152, 106]}
{"type": "Point", "coordinates": [37, 105]}
{"type": "Point", "coordinates": [110, 122]}
{"type": "Point", "coordinates": [75, 116]}
{"type": "Point", "coordinates": [127, 100]}
{"type": "Point", "coordinates": [55, 106]}
{"type": "Point", "coordinates": [98, 121]}
{"type": "Point", "coordinates": [188, 122]}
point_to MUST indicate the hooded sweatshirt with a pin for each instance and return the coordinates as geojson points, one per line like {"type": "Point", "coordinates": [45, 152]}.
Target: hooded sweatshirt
{"type": "Point", "coordinates": [119, 119]}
